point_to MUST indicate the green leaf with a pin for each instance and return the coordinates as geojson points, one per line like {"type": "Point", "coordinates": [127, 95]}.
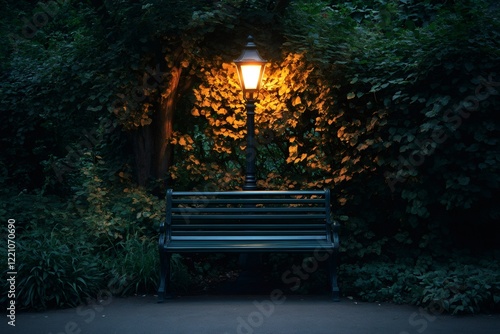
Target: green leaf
{"type": "Point", "coordinates": [464, 180]}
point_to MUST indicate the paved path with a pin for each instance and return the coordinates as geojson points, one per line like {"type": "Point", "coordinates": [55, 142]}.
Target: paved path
{"type": "Point", "coordinates": [274, 313]}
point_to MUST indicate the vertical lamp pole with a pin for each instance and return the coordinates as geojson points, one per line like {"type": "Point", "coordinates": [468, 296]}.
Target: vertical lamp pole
{"type": "Point", "coordinates": [250, 66]}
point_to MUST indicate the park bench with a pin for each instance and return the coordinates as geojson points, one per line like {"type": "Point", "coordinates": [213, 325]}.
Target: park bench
{"type": "Point", "coordinates": [249, 221]}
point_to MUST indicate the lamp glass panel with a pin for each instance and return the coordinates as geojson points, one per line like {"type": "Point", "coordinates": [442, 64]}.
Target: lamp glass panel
{"type": "Point", "coordinates": [251, 74]}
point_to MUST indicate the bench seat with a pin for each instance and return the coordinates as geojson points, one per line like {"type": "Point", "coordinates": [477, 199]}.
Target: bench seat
{"type": "Point", "coordinates": [246, 245]}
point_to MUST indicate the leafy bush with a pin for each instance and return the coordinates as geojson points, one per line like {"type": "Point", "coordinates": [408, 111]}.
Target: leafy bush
{"type": "Point", "coordinates": [463, 289]}
{"type": "Point", "coordinates": [378, 281]}
{"type": "Point", "coordinates": [135, 265]}
{"type": "Point", "coordinates": [52, 273]}
{"type": "Point", "coordinates": [453, 287]}
{"type": "Point", "coordinates": [113, 211]}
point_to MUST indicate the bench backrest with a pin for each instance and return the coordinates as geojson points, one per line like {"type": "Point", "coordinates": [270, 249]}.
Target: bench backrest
{"type": "Point", "coordinates": [266, 215]}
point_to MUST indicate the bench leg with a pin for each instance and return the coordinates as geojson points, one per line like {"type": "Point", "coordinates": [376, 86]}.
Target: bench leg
{"type": "Point", "coordinates": [164, 275]}
{"type": "Point", "coordinates": [333, 277]}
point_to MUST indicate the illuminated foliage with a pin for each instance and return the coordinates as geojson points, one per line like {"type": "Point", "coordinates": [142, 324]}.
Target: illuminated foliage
{"type": "Point", "coordinates": [291, 123]}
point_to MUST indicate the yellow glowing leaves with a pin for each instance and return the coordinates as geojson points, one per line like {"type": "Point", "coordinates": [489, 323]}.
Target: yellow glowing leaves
{"type": "Point", "coordinates": [340, 132]}
{"type": "Point", "coordinates": [317, 160]}
{"type": "Point", "coordinates": [284, 89]}
{"type": "Point", "coordinates": [193, 162]}
{"type": "Point", "coordinates": [234, 122]}
{"type": "Point", "coordinates": [293, 151]}
{"type": "Point", "coordinates": [285, 71]}
{"type": "Point", "coordinates": [222, 149]}
{"type": "Point", "coordinates": [215, 105]}
{"type": "Point", "coordinates": [231, 134]}
{"type": "Point", "coordinates": [203, 91]}
{"type": "Point", "coordinates": [293, 122]}
{"type": "Point", "coordinates": [183, 140]}
{"type": "Point", "coordinates": [343, 176]}
{"type": "Point", "coordinates": [362, 146]}
{"type": "Point", "coordinates": [313, 165]}
{"type": "Point", "coordinates": [296, 101]}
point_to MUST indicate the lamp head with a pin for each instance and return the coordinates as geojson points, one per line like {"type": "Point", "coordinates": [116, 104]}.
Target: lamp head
{"type": "Point", "coordinates": [250, 66]}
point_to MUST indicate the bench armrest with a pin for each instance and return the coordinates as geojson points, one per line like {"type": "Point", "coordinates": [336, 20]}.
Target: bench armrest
{"type": "Point", "coordinates": [164, 235]}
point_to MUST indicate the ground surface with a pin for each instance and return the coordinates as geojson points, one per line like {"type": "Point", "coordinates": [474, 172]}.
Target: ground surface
{"type": "Point", "coordinates": [266, 313]}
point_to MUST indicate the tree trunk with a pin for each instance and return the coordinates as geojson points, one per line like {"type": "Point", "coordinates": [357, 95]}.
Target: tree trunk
{"type": "Point", "coordinates": [153, 150]}
{"type": "Point", "coordinates": [164, 124]}
{"type": "Point", "coordinates": [143, 149]}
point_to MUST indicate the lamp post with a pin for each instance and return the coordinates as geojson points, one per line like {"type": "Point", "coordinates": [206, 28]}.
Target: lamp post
{"type": "Point", "coordinates": [250, 66]}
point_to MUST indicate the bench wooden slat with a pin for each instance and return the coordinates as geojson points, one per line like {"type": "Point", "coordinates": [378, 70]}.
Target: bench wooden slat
{"type": "Point", "coordinates": [245, 201]}
{"type": "Point", "coordinates": [247, 230]}
{"type": "Point", "coordinates": [250, 193]}
{"type": "Point", "coordinates": [295, 210]}
{"type": "Point", "coordinates": [248, 245]}
{"type": "Point", "coordinates": [243, 226]}
{"type": "Point", "coordinates": [255, 217]}
{"type": "Point", "coordinates": [247, 237]}
{"type": "Point", "coordinates": [254, 234]}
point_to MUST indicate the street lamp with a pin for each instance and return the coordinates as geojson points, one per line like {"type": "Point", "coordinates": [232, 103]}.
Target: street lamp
{"type": "Point", "coordinates": [250, 66]}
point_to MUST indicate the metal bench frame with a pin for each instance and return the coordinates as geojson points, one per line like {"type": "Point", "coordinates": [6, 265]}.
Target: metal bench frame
{"type": "Point", "coordinates": [248, 221]}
